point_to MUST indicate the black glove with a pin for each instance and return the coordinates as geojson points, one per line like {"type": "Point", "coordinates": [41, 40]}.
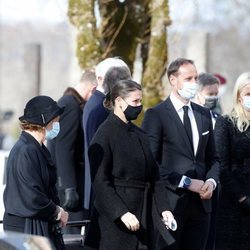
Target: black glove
{"type": "Point", "coordinates": [245, 205]}
{"type": "Point", "coordinates": [71, 199]}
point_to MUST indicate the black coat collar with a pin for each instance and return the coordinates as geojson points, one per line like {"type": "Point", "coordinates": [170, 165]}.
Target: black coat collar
{"type": "Point", "coordinates": [26, 137]}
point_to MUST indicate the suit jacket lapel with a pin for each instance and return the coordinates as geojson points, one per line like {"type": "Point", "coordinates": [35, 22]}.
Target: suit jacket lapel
{"type": "Point", "coordinates": [181, 130]}
{"type": "Point", "coordinates": [198, 119]}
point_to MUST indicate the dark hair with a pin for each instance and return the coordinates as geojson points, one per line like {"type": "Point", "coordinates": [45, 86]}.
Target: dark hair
{"type": "Point", "coordinates": [113, 75]}
{"type": "Point", "coordinates": [176, 64]}
{"type": "Point", "coordinates": [206, 79]}
{"type": "Point", "coordinates": [122, 88]}
{"type": "Point", "coordinates": [88, 76]}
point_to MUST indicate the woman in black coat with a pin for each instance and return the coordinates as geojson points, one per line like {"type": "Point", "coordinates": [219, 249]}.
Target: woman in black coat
{"type": "Point", "coordinates": [30, 197]}
{"type": "Point", "coordinates": [124, 177]}
{"type": "Point", "coordinates": [232, 134]}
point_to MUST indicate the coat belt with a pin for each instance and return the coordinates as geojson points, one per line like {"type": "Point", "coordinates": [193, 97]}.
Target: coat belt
{"type": "Point", "coordinates": [138, 185]}
{"type": "Point", "coordinates": [155, 214]}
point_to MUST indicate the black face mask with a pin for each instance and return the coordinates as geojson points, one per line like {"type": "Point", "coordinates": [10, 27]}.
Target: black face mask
{"type": "Point", "coordinates": [131, 112]}
{"type": "Point", "coordinates": [211, 103]}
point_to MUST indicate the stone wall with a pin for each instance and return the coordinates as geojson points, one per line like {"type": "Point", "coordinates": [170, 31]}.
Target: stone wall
{"type": "Point", "coordinates": [34, 60]}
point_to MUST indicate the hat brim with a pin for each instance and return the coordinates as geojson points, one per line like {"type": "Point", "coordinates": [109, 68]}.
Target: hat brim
{"type": "Point", "coordinates": [48, 117]}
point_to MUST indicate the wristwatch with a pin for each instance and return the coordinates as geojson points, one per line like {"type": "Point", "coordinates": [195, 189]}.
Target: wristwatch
{"type": "Point", "coordinates": [187, 182]}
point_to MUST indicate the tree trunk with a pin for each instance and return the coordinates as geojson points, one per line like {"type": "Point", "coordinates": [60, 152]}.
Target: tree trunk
{"type": "Point", "coordinates": [81, 15]}
{"type": "Point", "coordinates": [157, 55]}
{"type": "Point", "coordinates": [123, 26]}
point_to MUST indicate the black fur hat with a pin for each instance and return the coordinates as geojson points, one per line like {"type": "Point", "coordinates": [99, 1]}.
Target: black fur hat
{"type": "Point", "coordinates": [41, 110]}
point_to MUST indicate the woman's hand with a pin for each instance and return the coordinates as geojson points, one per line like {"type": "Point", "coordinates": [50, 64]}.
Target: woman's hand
{"type": "Point", "coordinates": [169, 220]}
{"type": "Point", "coordinates": [62, 217]}
{"type": "Point", "coordinates": [130, 221]}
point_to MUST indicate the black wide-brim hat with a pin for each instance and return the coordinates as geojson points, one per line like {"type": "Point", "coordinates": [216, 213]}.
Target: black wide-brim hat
{"type": "Point", "coordinates": [41, 110]}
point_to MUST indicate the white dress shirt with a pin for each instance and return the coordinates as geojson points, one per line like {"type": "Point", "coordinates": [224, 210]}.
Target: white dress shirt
{"type": "Point", "coordinates": [178, 105]}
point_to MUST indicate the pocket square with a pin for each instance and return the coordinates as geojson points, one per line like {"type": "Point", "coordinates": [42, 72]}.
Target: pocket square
{"type": "Point", "coordinates": [205, 133]}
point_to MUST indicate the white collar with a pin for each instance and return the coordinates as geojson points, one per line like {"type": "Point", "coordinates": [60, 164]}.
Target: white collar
{"type": "Point", "coordinates": [99, 88]}
{"type": "Point", "coordinates": [178, 104]}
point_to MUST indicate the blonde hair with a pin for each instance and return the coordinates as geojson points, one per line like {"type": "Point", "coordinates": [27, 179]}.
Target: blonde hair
{"type": "Point", "coordinates": [238, 114]}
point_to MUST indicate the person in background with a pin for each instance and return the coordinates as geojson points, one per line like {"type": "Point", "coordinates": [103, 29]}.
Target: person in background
{"type": "Point", "coordinates": [124, 176]}
{"type": "Point", "coordinates": [222, 89]}
{"type": "Point", "coordinates": [6, 141]}
{"type": "Point", "coordinates": [30, 197]}
{"type": "Point", "coordinates": [232, 136]}
{"type": "Point", "coordinates": [95, 113]}
{"type": "Point", "coordinates": [182, 142]}
{"type": "Point", "coordinates": [207, 96]}
{"type": "Point", "coordinates": [67, 149]}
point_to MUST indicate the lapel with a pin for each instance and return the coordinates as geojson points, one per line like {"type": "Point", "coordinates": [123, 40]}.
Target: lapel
{"type": "Point", "coordinates": [198, 119]}
{"type": "Point", "coordinates": [179, 125]}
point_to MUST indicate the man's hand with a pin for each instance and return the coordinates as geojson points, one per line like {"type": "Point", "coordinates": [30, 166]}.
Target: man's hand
{"type": "Point", "coordinates": [207, 190]}
{"type": "Point", "coordinates": [196, 186]}
{"type": "Point", "coordinates": [71, 198]}
{"type": "Point", "coordinates": [130, 221]}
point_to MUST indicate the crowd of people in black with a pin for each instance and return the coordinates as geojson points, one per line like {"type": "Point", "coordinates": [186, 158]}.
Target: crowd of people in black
{"type": "Point", "coordinates": [180, 181]}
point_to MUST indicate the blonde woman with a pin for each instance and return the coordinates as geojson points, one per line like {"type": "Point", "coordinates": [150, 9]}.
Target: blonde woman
{"type": "Point", "coordinates": [232, 133]}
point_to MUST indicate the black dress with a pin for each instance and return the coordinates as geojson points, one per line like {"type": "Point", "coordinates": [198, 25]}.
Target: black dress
{"type": "Point", "coordinates": [124, 174]}
{"type": "Point", "coordinates": [233, 228]}
{"type": "Point", "coordinates": [30, 197]}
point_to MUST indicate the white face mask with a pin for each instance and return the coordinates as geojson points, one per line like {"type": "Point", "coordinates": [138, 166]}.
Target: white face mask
{"type": "Point", "coordinates": [189, 90]}
{"type": "Point", "coordinates": [246, 102]}
{"type": "Point", "coordinates": [51, 134]}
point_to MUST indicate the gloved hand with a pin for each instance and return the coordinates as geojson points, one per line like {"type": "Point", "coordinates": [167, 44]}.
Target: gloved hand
{"type": "Point", "coordinates": [245, 205]}
{"type": "Point", "coordinates": [71, 198]}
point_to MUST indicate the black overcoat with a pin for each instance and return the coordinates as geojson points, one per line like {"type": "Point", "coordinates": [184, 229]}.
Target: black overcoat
{"type": "Point", "coordinates": [68, 147]}
{"type": "Point", "coordinates": [93, 116]}
{"type": "Point", "coordinates": [233, 224]}
{"type": "Point", "coordinates": [31, 182]}
{"type": "Point", "coordinates": [124, 178]}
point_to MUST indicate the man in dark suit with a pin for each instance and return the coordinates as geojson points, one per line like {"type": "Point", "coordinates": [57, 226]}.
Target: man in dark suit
{"type": "Point", "coordinates": [207, 96]}
{"type": "Point", "coordinates": [181, 136]}
{"type": "Point", "coordinates": [67, 148]}
{"type": "Point", "coordinates": [107, 72]}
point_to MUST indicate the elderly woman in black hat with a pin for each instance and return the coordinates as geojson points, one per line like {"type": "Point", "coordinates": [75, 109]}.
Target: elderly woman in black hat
{"type": "Point", "coordinates": [30, 197]}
